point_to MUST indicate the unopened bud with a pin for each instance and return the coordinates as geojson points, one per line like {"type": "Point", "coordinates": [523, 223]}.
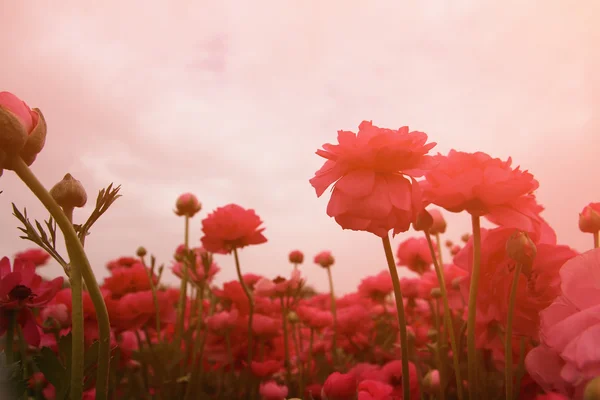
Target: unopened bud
{"type": "Point", "coordinates": [521, 249]}
{"type": "Point", "coordinates": [296, 257]}
{"type": "Point", "coordinates": [293, 317]}
{"type": "Point", "coordinates": [456, 283]}
{"type": "Point", "coordinates": [592, 390]}
{"type": "Point", "coordinates": [449, 243]}
{"type": "Point", "coordinates": [141, 252]}
{"type": "Point", "coordinates": [431, 382]}
{"type": "Point", "coordinates": [465, 238]}
{"type": "Point", "coordinates": [589, 219]}
{"type": "Point", "coordinates": [69, 193]}
{"type": "Point", "coordinates": [423, 221]}
{"type": "Point", "coordinates": [436, 293]}
{"type": "Point", "coordinates": [455, 250]}
{"type": "Point", "coordinates": [187, 205]}
{"type": "Point", "coordinates": [439, 223]}
{"type": "Point", "coordinates": [432, 334]}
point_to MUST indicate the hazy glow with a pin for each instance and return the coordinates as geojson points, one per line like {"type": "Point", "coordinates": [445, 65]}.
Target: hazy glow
{"type": "Point", "coordinates": [230, 100]}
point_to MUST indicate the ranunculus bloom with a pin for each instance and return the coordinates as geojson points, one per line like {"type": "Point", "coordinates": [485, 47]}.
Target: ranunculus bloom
{"type": "Point", "coordinates": [296, 257]}
{"type": "Point", "coordinates": [36, 256]}
{"type": "Point", "coordinates": [589, 219]}
{"type": "Point", "coordinates": [377, 286]}
{"type": "Point", "coordinates": [569, 354]}
{"type": "Point", "coordinates": [272, 391]}
{"type": "Point", "coordinates": [535, 291]}
{"type": "Point", "coordinates": [123, 262]}
{"type": "Point", "coordinates": [339, 386]}
{"type": "Point", "coordinates": [324, 259]}
{"type": "Point", "coordinates": [374, 390]}
{"type": "Point", "coordinates": [187, 205]}
{"type": "Point", "coordinates": [128, 280]}
{"type": "Point", "coordinates": [231, 227]}
{"type": "Point", "coordinates": [368, 171]}
{"type": "Point", "coordinates": [22, 130]}
{"type": "Point", "coordinates": [20, 291]}
{"type": "Point", "coordinates": [414, 254]}
{"type": "Point", "coordinates": [486, 186]}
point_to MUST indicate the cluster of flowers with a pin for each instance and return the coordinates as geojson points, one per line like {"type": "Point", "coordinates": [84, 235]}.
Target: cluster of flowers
{"type": "Point", "coordinates": [529, 306]}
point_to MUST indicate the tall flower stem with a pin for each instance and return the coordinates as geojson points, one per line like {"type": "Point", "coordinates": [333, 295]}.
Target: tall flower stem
{"type": "Point", "coordinates": [250, 304]}
{"type": "Point", "coordinates": [286, 345]}
{"type": "Point", "coordinates": [472, 308]}
{"type": "Point", "coordinates": [154, 300]}
{"type": "Point", "coordinates": [439, 249]}
{"type": "Point", "coordinates": [9, 338]}
{"type": "Point", "coordinates": [508, 350]}
{"type": "Point", "coordinates": [401, 319]}
{"type": "Point", "coordinates": [79, 261]}
{"type": "Point", "coordinates": [447, 318]}
{"type": "Point", "coordinates": [183, 287]}
{"type": "Point", "coordinates": [520, 367]}
{"type": "Point", "coordinates": [77, 339]}
{"type": "Point", "coordinates": [596, 239]}
{"type": "Point", "coordinates": [334, 314]}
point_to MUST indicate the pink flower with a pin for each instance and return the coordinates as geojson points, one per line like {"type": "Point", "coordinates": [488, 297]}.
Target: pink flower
{"type": "Point", "coordinates": [22, 130]}
{"type": "Point", "coordinates": [36, 256]}
{"type": "Point", "coordinates": [414, 254]}
{"type": "Point", "coordinates": [569, 355]}
{"type": "Point", "coordinates": [222, 321]}
{"type": "Point", "coordinates": [22, 290]}
{"type": "Point", "coordinates": [374, 390]}
{"type": "Point", "coordinates": [296, 257]}
{"type": "Point", "coordinates": [339, 386]}
{"type": "Point", "coordinates": [324, 259]}
{"type": "Point", "coordinates": [272, 391]}
{"type": "Point", "coordinates": [377, 286]}
{"type": "Point", "coordinates": [367, 169]}
{"type": "Point", "coordinates": [231, 227]}
{"type": "Point", "coordinates": [187, 205]}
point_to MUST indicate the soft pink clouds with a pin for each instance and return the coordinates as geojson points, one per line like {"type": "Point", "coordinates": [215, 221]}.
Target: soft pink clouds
{"type": "Point", "coordinates": [230, 100]}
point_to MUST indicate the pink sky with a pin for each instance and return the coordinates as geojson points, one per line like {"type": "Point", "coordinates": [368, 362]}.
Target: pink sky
{"type": "Point", "coordinates": [230, 99]}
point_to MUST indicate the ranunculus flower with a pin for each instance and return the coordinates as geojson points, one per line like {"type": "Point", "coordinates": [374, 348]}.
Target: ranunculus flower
{"type": "Point", "coordinates": [339, 386]}
{"type": "Point", "coordinates": [324, 259]}
{"type": "Point", "coordinates": [231, 227]}
{"type": "Point", "coordinates": [272, 391]}
{"type": "Point", "coordinates": [489, 187]}
{"type": "Point", "coordinates": [368, 169]}
{"type": "Point", "coordinates": [374, 390]}
{"type": "Point", "coordinates": [36, 256]}
{"type": "Point", "coordinates": [569, 354]}
{"type": "Point", "coordinates": [22, 290]}
{"type": "Point", "coordinates": [22, 130]}
{"type": "Point", "coordinates": [187, 205]}
{"type": "Point", "coordinates": [377, 286]}
{"type": "Point", "coordinates": [128, 280]}
{"type": "Point", "coordinates": [414, 254]}
{"type": "Point", "coordinates": [296, 257]}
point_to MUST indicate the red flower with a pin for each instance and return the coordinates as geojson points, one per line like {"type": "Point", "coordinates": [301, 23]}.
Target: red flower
{"type": "Point", "coordinates": [414, 254]}
{"type": "Point", "coordinates": [339, 387]}
{"type": "Point", "coordinates": [367, 169]}
{"type": "Point", "coordinates": [296, 257]}
{"type": "Point", "coordinates": [21, 290]}
{"type": "Point", "coordinates": [231, 227]}
{"type": "Point", "coordinates": [324, 259]}
{"type": "Point", "coordinates": [36, 256]}
{"type": "Point", "coordinates": [128, 280]}
{"type": "Point", "coordinates": [187, 205]}
{"type": "Point", "coordinates": [376, 287]}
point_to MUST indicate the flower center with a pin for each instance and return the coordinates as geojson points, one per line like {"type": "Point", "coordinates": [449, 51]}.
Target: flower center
{"type": "Point", "coordinates": [20, 292]}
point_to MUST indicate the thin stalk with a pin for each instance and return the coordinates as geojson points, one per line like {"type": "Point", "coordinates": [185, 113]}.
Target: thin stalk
{"type": "Point", "coordinates": [439, 249]}
{"type": "Point", "coordinates": [79, 261]}
{"type": "Point", "coordinates": [183, 287]}
{"type": "Point", "coordinates": [441, 370]}
{"type": "Point", "coordinates": [389, 255]}
{"type": "Point", "coordinates": [508, 350]}
{"type": "Point", "coordinates": [286, 344]}
{"type": "Point", "coordinates": [334, 314]}
{"type": "Point", "coordinates": [472, 308]}
{"type": "Point", "coordinates": [447, 318]}
{"type": "Point", "coordinates": [155, 301]}
{"type": "Point", "coordinates": [250, 304]}
{"type": "Point", "coordinates": [520, 367]}
{"type": "Point", "coordinates": [596, 239]}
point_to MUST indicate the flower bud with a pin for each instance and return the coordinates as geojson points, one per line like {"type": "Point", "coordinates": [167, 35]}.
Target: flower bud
{"type": "Point", "coordinates": [455, 250]}
{"type": "Point", "coordinates": [187, 205]}
{"type": "Point", "coordinates": [589, 219]}
{"type": "Point", "coordinates": [141, 251]}
{"type": "Point", "coordinates": [296, 257]}
{"type": "Point", "coordinates": [22, 130]}
{"type": "Point", "coordinates": [520, 248]}
{"type": "Point", "coordinates": [439, 223]}
{"type": "Point", "coordinates": [293, 317]}
{"type": "Point", "coordinates": [465, 238]}
{"type": "Point", "coordinates": [69, 193]}
{"type": "Point", "coordinates": [436, 293]}
{"type": "Point", "coordinates": [431, 382]}
{"type": "Point", "coordinates": [449, 243]}
{"type": "Point", "coordinates": [592, 389]}
{"type": "Point", "coordinates": [423, 221]}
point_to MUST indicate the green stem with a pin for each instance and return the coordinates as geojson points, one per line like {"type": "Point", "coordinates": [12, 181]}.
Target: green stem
{"type": "Point", "coordinates": [389, 255]}
{"type": "Point", "coordinates": [296, 338]}
{"type": "Point", "coordinates": [439, 248]}
{"type": "Point", "coordinates": [508, 350]}
{"type": "Point", "coordinates": [334, 314]}
{"type": "Point", "coordinates": [155, 301]}
{"type": "Point", "coordinates": [250, 304]}
{"type": "Point", "coordinates": [441, 370]}
{"type": "Point", "coordinates": [10, 337]}
{"type": "Point", "coordinates": [596, 239]}
{"type": "Point", "coordinates": [520, 367]}
{"type": "Point", "coordinates": [310, 353]}
{"type": "Point", "coordinates": [447, 318]}
{"type": "Point", "coordinates": [286, 344]}
{"type": "Point", "coordinates": [198, 342]}
{"type": "Point", "coordinates": [183, 287]}
{"type": "Point", "coordinates": [472, 308]}
{"type": "Point", "coordinates": [80, 261]}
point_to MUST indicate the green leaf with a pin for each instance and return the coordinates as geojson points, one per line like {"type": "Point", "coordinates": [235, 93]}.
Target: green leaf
{"type": "Point", "coordinates": [53, 370]}
{"type": "Point", "coordinates": [11, 379]}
